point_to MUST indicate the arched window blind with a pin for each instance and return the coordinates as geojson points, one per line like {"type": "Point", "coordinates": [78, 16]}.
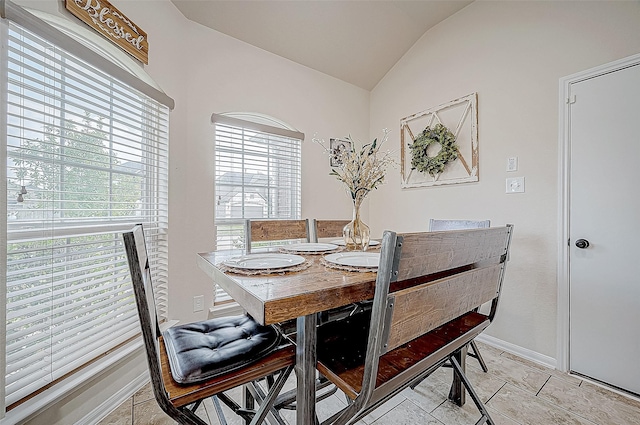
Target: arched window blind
{"type": "Point", "coordinates": [86, 158]}
{"type": "Point", "coordinates": [257, 175]}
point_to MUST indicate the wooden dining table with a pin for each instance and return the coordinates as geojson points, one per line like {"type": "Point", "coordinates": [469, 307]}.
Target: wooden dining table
{"type": "Point", "coordinates": [278, 297]}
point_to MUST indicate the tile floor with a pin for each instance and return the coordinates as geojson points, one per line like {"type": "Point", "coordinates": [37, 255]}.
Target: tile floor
{"type": "Point", "coordinates": [515, 391]}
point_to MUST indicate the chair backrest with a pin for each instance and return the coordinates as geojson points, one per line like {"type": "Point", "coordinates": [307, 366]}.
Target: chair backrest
{"type": "Point", "coordinates": [327, 228]}
{"type": "Point", "coordinates": [136, 250]}
{"type": "Point", "coordinates": [425, 280]}
{"type": "Point", "coordinates": [438, 225]}
{"type": "Point", "coordinates": [275, 230]}
{"type": "Point", "coordinates": [173, 398]}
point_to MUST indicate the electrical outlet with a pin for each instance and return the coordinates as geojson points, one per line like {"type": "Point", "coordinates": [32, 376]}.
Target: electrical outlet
{"type": "Point", "coordinates": [198, 303]}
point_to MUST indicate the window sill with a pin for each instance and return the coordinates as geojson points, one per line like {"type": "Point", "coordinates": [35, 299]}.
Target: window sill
{"type": "Point", "coordinates": [225, 309]}
{"type": "Point", "coordinates": [59, 391]}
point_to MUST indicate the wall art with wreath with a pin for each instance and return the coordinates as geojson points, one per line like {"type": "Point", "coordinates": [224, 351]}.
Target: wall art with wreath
{"type": "Point", "coordinates": [440, 145]}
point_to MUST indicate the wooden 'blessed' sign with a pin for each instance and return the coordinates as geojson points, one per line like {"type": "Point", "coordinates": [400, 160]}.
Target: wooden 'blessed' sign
{"type": "Point", "coordinates": [112, 24]}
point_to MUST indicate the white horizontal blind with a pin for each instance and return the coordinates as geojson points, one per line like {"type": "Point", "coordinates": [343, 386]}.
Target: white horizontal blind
{"type": "Point", "coordinates": [86, 159]}
{"type": "Point", "coordinates": [258, 175]}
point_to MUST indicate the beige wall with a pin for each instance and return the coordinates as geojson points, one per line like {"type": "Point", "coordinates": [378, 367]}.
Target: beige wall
{"type": "Point", "coordinates": [512, 54]}
{"type": "Point", "coordinates": [206, 72]}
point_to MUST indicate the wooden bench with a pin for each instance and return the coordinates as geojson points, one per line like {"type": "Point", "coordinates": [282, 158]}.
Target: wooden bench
{"type": "Point", "coordinates": [438, 225]}
{"type": "Point", "coordinates": [428, 288]}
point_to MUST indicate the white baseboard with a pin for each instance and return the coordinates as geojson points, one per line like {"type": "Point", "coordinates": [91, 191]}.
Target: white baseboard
{"type": "Point", "coordinates": [109, 405]}
{"type": "Point", "coordinates": [227, 309]}
{"type": "Point", "coordinates": [525, 353]}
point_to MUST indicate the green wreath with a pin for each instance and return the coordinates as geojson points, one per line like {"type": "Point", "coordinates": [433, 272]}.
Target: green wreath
{"type": "Point", "coordinates": [433, 165]}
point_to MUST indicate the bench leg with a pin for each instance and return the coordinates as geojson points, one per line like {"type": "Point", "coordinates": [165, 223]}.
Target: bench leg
{"type": "Point", "coordinates": [476, 353]}
{"type": "Point", "coordinates": [456, 393]}
{"type": "Point", "coordinates": [485, 418]}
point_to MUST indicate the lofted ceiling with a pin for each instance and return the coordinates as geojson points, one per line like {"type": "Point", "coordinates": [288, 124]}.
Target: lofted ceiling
{"type": "Point", "coordinates": [357, 41]}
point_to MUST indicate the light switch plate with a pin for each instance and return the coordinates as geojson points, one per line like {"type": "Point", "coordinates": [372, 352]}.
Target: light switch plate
{"type": "Point", "coordinates": [512, 163]}
{"type": "Point", "coordinates": [515, 185]}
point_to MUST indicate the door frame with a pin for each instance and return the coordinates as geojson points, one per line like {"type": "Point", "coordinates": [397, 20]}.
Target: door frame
{"type": "Point", "coordinates": [564, 187]}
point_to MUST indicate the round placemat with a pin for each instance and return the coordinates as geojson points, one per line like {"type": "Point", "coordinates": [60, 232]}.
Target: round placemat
{"type": "Point", "coordinates": [254, 272]}
{"type": "Point", "coordinates": [347, 268]}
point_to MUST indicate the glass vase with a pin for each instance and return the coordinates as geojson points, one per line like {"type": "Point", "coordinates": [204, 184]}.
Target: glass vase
{"type": "Point", "coordinates": [356, 233]}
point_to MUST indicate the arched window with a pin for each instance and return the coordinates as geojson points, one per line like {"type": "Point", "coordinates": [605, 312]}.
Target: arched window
{"type": "Point", "coordinates": [257, 175]}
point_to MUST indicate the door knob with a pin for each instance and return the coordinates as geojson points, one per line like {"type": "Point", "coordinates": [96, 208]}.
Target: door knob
{"type": "Point", "coordinates": [582, 243]}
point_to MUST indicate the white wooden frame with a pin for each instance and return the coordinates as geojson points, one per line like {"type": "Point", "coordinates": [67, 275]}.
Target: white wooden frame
{"type": "Point", "coordinates": [564, 161]}
{"type": "Point", "coordinates": [460, 116]}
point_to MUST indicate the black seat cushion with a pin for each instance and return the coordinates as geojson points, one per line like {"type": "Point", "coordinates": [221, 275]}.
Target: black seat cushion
{"type": "Point", "coordinates": [202, 350]}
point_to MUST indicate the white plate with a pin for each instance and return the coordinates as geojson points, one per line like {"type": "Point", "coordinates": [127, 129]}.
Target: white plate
{"type": "Point", "coordinates": [355, 259]}
{"type": "Point", "coordinates": [264, 261]}
{"type": "Point", "coordinates": [341, 242]}
{"type": "Point", "coordinates": [310, 247]}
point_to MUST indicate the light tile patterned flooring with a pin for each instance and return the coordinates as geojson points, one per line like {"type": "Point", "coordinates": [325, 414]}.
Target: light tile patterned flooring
{"type": "Point", "coordinates": [515, 391]}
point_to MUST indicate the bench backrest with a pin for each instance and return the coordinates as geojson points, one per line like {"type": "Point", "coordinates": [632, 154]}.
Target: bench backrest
{"type": "Point", "coordinates": [426, 280]}
{"type": "Point", "coordinates": [442, 276]}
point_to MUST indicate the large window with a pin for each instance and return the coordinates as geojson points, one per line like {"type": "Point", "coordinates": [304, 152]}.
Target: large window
{"type": "Point", "coordinates": [257, 163]}
{"type": "Point", "coordinates": [86, 158]}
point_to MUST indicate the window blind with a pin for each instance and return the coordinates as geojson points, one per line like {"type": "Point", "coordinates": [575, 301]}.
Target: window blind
{"type": "Point", "coordinates": [257, 175]}
{"type": "Point", "coordinates": [87, 158]}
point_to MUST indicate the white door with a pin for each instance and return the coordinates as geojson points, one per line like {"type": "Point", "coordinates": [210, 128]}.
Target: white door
{"type": "Point", "coordinates": [604, 202]}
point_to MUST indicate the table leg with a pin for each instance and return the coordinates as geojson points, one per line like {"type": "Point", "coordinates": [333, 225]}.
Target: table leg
{"type": "Point", "coordinates": [457, 393]}
{"type": "Point", "coordinates": [306, 369]}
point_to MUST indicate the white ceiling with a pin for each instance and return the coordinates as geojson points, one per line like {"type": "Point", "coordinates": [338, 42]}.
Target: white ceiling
{"type": "Point", "coordinates": [357, 41]}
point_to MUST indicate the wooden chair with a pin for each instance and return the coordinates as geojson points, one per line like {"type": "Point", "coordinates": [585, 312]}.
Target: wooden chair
{"type": "Point", "coordinates": [442, 225]}
{"type": "Point", "coordinates": [424, 314]}
{"type": "Point", "coordinates": [188, 363]}
{"type": "Point", "coordinates": [257, 231]}
{"type": "Point", "coordinates": [322, 229]}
